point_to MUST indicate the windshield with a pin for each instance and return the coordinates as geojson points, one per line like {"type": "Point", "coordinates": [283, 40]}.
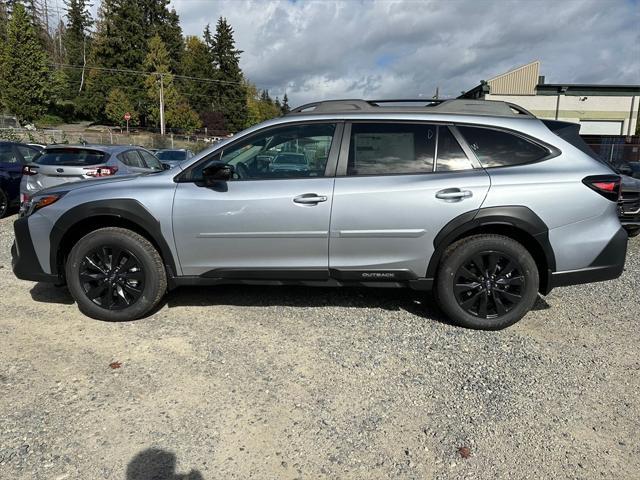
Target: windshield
{"type": "Point", "coordinates": [71, 157]}
{"type": "Point", "coordinates": [290, 158]}
{"type": "Point", "coordinates": [172, 155]}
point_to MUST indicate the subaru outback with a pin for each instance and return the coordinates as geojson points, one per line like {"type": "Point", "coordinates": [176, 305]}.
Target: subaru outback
{"type": "Point", "coordinates": [477, 201]}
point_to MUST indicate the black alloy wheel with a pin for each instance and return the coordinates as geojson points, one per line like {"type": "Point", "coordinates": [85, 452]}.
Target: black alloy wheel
{"type": "Point", "coordinates": [112, 277]}
{"type": "Point", "coordinates": [486, 282]}
{"type": "Point", "coordinates": [489, 285]}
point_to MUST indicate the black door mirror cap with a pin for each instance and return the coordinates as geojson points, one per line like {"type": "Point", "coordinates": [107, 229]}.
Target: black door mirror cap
{"type": "Point", "coordinates": [217, 171]}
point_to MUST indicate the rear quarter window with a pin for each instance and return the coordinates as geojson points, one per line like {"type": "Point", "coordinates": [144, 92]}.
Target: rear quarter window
{"type": "Point", "coordinates": [495, 148]}
{"type": "Point", "coordinates": [71, 157]}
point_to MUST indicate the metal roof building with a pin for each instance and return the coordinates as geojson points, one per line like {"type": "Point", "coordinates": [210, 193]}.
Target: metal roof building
{"type": "Point", "coordinates": [600, 109]}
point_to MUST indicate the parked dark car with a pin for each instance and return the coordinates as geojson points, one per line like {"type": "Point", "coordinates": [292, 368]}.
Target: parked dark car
{"type": "Point", "coordinates": [13, 156]}
{"type": "Point", "coordinates": [173, 156]}
{"type": "Point", "coordinates": [631, 169]}
{"type": "Point", "coordinates": [629, 205]}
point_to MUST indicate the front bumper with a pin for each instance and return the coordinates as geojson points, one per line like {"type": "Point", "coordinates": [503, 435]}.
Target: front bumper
{"type": "Point", "coordinates": [24, 260]}
{"type": "Point", "coordinates": [607, 266]}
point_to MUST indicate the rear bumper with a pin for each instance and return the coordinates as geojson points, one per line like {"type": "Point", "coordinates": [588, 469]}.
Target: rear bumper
{"type": "Point", "coordinates": [607, 266]}
{"type": "Point", "coordinates": [24, 260]}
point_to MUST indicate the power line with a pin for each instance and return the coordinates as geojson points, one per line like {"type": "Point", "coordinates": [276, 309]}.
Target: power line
{"type": "Point", "coordinates": [142, 72]}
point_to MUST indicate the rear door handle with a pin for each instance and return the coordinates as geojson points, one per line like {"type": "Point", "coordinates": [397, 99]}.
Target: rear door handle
{"type": "Point", "coordinates": [454, 194]}
{"type": "Point", "coordinates": [310, 199]}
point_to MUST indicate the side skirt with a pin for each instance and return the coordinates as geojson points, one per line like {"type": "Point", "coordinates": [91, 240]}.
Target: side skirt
{"type": "Point", "coordinates": [309, 278]}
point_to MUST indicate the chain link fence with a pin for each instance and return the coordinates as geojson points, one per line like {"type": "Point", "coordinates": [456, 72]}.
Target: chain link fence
{"type": "Point", "coordinates": [110, 136]}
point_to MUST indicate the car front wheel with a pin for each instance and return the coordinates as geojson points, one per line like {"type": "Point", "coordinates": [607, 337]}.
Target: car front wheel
{"type": "Point", "coordinates": [487, 282]}
{"type": "Point", "coordinates": [115, 274]}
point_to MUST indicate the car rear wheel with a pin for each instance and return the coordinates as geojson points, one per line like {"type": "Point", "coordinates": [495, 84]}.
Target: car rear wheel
{"type": "Point", "coordinates": [487, 282]}
{"type": "Point", "coordinates": [4, 204]}
{"type": "Point", "coordinates": [115, 274]}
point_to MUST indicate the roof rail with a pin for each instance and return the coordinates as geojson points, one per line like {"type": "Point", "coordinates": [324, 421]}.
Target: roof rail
{"type": "Point", "coordinates": [460, 106]}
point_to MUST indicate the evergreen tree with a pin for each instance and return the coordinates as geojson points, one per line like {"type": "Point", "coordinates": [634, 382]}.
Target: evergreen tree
{"type": "Point", "coordinates": [119, 44]}
{"type": "Point", "coordinates": [285, 104]}
{"type": "Point", "coordinates": [76, 42]}
{"type": "Point", "coordinates": [260, 107]}
{"type": "Point", "coordinates": [24, 77]}
{"type": "Point", "coordinates": [231, 99]}
{"type": "Point", "coordinates": [159, 20]}
{"type": "Point", "coordinates": [196, 62]}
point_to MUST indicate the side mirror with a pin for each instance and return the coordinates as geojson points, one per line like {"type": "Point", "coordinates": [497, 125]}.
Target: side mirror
{"type": "Point", "coordinates": [217, 172]}
{"type": "Point", "coordinates": [166, 166]}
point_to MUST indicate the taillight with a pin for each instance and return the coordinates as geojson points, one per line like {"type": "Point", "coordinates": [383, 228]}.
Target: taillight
{"type": "Point", "coordinates": [24, 198]}
{"type": "Point", "coordinates": [100, 171]}
{"type": "Point", "coordinates": [606, 185]}
{"type": "Point", "coordinates": [28, 170]}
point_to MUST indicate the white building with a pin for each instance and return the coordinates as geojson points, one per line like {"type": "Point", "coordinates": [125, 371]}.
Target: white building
{"type": "Point", "coordinates": [600, 109]}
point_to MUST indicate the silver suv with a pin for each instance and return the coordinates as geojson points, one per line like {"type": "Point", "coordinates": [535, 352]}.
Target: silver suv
{"type": "Point", "coordinates": [59, 164]}
{"type": "Point", "coordinates": [478, 201]}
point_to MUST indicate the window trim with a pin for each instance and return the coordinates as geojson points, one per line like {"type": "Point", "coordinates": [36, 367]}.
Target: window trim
{"type": "Point", "coordinates": [552, 150]}
{"type": "Point", "coordinates": [343, 161]}
{"type": "Point", "coordinates": [330, 167]}
{"type": "Point", "coordinates": [21, 159]}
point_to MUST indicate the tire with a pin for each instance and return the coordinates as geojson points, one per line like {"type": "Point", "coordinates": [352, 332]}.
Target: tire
{"type": "Point", "coordinates": [506, 284]}
{"type": "Point", "coordinates": [4, 203]}
{"type": "Point", "coordinates": [114, 274]}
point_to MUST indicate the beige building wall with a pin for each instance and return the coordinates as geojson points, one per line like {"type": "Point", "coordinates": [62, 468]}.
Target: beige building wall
{"type": "Point", "coordinates": [580, 109]}
{"type": "Point", "coordinates": [519, 81]}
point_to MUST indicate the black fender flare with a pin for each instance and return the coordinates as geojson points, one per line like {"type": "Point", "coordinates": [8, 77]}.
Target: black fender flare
{"type": "Point", "coordinates": [127, 209]}
{"type": "Point", "coordinates": [514, 216]}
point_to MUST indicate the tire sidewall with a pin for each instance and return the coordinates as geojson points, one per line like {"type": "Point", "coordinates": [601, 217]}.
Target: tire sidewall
{"type": "Point", "coordinates": [459, 253]}
{"type": "Point", "coordinates": [152, 279]}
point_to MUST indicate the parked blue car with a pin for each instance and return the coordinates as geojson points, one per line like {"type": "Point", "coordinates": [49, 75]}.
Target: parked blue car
{"type": "Point", "coordinates": [13, 156]}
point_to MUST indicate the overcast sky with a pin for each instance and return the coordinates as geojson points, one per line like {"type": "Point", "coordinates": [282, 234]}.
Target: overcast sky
{"type": "Point", "coordinates": [389, 49]}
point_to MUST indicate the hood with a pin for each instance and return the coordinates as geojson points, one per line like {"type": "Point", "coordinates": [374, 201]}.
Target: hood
{"type": "Point", "coordinates": [67, 187]}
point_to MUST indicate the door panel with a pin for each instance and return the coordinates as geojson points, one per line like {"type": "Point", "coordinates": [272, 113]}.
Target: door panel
{"type": "Point", "coordinates": [269, 218]}
{"type": "Point", "coordinates": [390, 222]}
{"type": "Point", "coordinates": [401, 183]}
{"type": "Point", "coordinates": [253, 225]}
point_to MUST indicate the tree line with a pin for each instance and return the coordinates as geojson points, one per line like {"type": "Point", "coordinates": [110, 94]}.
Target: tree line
{"type": "Point", "coordinates": [122, 62]}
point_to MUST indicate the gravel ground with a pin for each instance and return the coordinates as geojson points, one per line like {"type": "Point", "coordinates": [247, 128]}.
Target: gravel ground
{"type": "Point", "coordinates": [252, 382]}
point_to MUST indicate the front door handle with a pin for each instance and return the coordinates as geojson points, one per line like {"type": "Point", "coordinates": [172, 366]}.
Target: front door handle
{"type": "Point", "coordinates": [310, 199]}
{"type": "Point", "coordinates": [454, 194]}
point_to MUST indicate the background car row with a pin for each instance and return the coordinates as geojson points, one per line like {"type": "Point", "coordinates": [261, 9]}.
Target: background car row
{"type": "Point", "coordinates": [26, 169]}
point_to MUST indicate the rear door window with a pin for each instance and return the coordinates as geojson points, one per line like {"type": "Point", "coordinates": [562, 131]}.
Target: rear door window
{"type": "Point", "coordinates": [451, 157]}
{"type": "Point", "coordinates": [495, 148]}
{"type": "Point", "coordinates": [71, 157]}
{"type": "Point", "coordinates": [8, 154]}
{"type": "Point", "coordinates": [391, 148]}
{"type": "Point", "coordinates": [131, 159]}
{"type": "Point", "coordinates": [150, 161]}
{"type": "Point", "coordinates": [28, 153]}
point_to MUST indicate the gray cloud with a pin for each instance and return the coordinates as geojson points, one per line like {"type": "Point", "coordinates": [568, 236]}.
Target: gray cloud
{"type": "Point", "coordinates": [357, 48]}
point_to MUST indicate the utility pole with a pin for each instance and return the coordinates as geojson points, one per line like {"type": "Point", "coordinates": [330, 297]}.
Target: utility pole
{"type": "Point", "coordinates": [161, 105]}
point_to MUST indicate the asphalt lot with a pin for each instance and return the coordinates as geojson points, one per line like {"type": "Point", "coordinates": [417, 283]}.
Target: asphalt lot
{"type": "Point", "coordinates": [252, 382]}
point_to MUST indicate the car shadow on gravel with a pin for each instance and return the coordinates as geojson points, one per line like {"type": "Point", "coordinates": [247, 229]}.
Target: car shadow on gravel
{"type": "Point", "coordinates": [48, 293]}
{"type": "Point", "coordinates": [157, 464]}
{"type": "Point", "coordinates": [414, 302]}
{"type": "Point", "coordinates": [417, 303]}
